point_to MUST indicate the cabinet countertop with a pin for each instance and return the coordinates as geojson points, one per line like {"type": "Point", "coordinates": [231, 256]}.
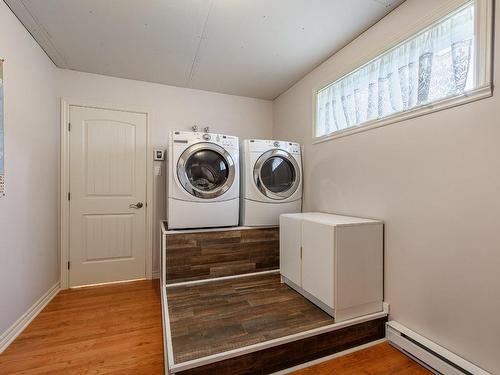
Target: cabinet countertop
{"type": "Point", "coordinates": [332, 219]}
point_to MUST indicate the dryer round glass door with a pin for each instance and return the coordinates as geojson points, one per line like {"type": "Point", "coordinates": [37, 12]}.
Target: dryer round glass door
{"type": "Point", "coordinates": [206, 170]}
{"type": "Point", "coordinates": [277, 174]}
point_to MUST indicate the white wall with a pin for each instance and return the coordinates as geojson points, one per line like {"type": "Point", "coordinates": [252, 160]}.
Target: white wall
{"type": "Point", "coordinates": [28, 214]}
{"type": "Point", "coordinates": [171, 108]}
{"type": "Point", "coordinates": [435, 180]}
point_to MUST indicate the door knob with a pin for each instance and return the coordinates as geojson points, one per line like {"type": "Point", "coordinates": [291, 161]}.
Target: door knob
{"type": "Point", "coordinates": [137, 205]}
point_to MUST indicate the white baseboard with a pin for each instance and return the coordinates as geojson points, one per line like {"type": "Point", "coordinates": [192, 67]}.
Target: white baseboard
{"type": "Point", "coordinates": [155, 275]}
{"type": "Point", "coordinates": [220, 278]}
{"type": "Point", "coordinates": [18, 327]}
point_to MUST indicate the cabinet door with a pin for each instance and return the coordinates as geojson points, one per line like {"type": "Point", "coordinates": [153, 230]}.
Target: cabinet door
{"type": "Point", "coordinates": [317, 261]}
{"type": "Point", "coordinates": [290, 248]}
{"type": "Point", "coordinates": [359, 269]}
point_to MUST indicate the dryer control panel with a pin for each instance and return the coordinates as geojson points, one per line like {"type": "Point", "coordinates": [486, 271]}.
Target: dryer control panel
{"type": "Point", "coordinates": [262, 145]}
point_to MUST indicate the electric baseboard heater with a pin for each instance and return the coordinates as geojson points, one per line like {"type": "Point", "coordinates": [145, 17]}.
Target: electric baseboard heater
{"type": "Point", "coordinates": [431, 355]}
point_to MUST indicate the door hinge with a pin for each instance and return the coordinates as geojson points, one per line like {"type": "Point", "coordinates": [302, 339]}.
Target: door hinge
{"type": "Point", "coordinates": [301, 252]}
{"type": "Point", "coordinates": [69, 126]}
{"type": "Point", "coordinates": [69, 196]}
{"type": "Point", "coordinates": [69, 265]}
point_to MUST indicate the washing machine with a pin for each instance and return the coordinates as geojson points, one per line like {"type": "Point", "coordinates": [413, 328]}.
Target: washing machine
{"type": "Point", "coordinates": [203, 186]}
{"type": "Point", "coordinates": [271, 181]}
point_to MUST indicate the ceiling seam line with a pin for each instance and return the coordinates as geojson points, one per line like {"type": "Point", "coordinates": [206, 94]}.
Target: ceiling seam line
{"type": "Point", "coordinates": [198, 47]}
{"type": "Point", "coordinates": [45, 34]}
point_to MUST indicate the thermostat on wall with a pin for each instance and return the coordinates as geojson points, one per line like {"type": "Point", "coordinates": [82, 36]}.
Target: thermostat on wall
{"type": "Point", "coordinates": [159, 155]}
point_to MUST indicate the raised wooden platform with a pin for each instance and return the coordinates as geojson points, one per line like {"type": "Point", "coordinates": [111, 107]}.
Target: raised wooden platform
{"type": "Point", "coordinates": [204, 254]}
{"type": "Point", "coordinates": [243, 320]}
{"type": "Point", "coordinates": [254, 325]}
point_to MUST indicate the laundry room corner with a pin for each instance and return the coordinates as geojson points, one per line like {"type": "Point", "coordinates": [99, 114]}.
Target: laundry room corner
{"type": "Point", "coordinates": [170, 108]}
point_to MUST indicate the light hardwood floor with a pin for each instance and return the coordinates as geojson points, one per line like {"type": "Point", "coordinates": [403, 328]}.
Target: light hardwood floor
{"type": "Point", "coordinates": [381, 359]}
{"type": "Point", "coordinates": [116, 329]}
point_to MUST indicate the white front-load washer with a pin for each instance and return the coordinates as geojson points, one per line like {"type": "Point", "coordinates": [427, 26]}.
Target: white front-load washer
{"type": "Point", "coordinates": [203, 180]}
{"type": "Point", "coordinates": [271, 181]}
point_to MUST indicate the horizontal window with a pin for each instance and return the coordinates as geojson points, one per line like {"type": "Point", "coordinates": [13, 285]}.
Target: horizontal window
{"type": "Point", "coordinates": [436, 64]}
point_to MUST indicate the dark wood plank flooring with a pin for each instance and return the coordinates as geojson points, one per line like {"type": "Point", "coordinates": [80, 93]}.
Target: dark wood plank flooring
{"type": "Point", "coordinates": [203, 255]}
{"type": "Point", "coordinates": [223, 315]}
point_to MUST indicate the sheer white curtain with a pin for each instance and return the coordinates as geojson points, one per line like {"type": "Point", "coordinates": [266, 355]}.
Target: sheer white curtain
{"type": "Point", "coordinates": [434, 64]}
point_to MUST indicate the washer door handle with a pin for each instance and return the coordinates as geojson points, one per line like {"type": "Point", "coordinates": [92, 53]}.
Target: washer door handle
{"type": "Point", "coordinates": [136, 205]}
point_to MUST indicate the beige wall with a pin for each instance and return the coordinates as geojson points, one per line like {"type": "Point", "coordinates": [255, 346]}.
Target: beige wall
{"type": "Point", "coordinates": [28, 214]}
{"type": "Point", "coordinates": [171, 108]}
{"type": "Point", "coordinates": [435, 180]}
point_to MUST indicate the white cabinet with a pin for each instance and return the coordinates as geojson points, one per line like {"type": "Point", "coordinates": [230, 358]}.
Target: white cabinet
{"type": "Point", "coordinates": [335, 261]}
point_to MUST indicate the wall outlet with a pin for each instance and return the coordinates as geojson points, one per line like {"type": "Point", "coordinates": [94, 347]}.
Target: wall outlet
{"type": "Point", "coordinates": [159, 155]}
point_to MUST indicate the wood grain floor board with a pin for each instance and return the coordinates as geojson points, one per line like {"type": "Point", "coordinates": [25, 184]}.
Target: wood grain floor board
{"type": "Point", "coordinates": [381, 359]}
{"type": "Point", "coordinates": [202, 255]}
{"type": "Point", "coordinates": [98, 330]}
{"type": "Point", "coordinates": [215, 317]}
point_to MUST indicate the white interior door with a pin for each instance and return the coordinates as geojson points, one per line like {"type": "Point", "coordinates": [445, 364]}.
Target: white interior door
{"type": "Point", "coordinates": [108, 195]}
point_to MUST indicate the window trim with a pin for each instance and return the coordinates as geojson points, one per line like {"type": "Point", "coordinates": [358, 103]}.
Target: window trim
{"type": "Point", "coordinates": [483, 24]}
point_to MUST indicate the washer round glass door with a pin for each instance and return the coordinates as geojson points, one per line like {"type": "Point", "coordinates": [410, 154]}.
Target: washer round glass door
{"type": "Point", "coordinates": [277, 174]}
{"type": "Point", "coordinates": [206, 170]}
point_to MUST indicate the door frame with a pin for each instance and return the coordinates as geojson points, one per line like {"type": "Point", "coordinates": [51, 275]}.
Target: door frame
{"type": "Point", "coordinates": [64, 218]}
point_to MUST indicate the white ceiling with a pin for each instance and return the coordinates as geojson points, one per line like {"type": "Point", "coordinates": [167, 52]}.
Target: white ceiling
{"type": "Point", "coordinates": [255, 48]}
